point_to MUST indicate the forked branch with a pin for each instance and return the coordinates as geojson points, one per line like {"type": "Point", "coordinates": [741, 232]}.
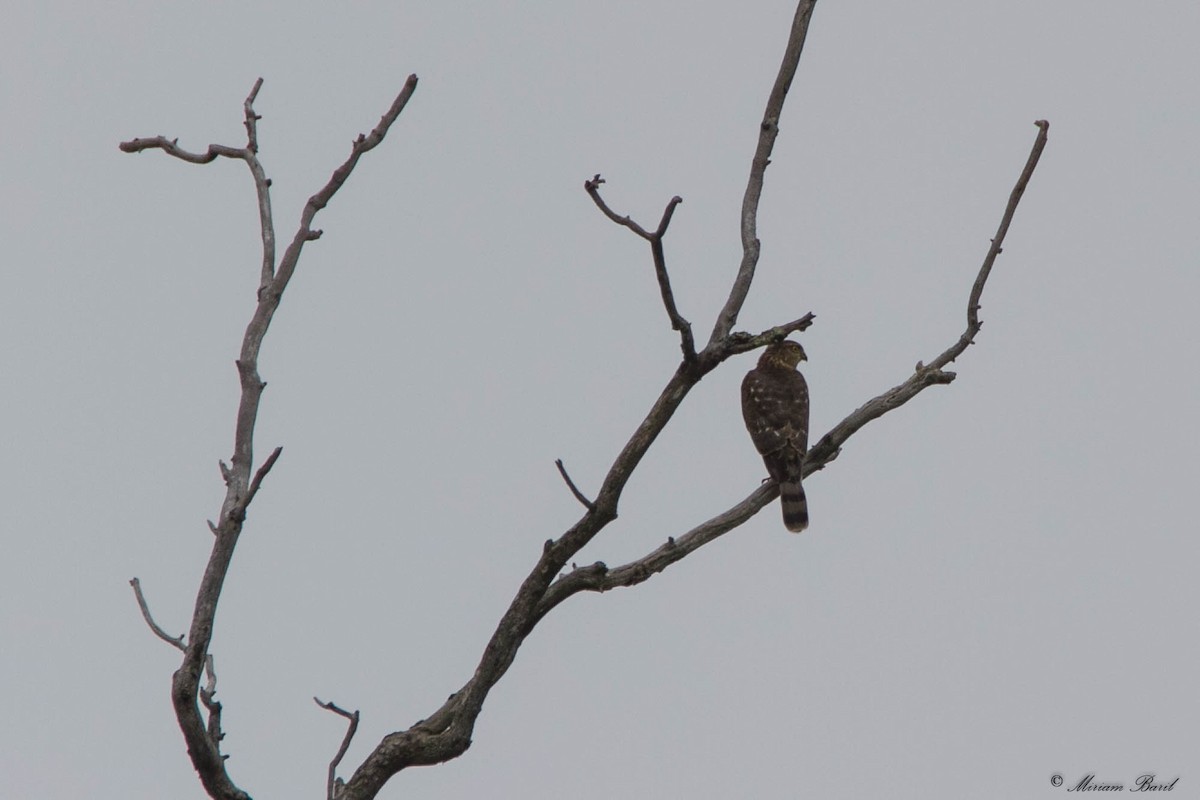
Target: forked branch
{"type": "Point", "coordinates": [598, 577]}
{"type": "Point", "coordinates": [655, 238]}
{"type": "Point", "coordinates": [203, 740]}
{"type": "Point", "coordinates": [447, 732]}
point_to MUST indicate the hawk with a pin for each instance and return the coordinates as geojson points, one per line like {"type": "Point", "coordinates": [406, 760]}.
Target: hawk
{"type": "Point", "coordinates": [775, 407]}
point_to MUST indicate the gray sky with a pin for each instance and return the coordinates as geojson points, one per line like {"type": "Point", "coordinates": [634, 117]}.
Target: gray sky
{"type": "Point", "coordinates": [1000, 579]}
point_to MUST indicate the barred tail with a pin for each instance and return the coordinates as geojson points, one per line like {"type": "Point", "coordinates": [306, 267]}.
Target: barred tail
{"type": "Point", "coordinates": [795, 506]}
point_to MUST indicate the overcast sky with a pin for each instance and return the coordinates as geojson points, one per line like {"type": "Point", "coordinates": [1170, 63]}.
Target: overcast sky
{"type": "Point", "coordinates": [1000, 580]}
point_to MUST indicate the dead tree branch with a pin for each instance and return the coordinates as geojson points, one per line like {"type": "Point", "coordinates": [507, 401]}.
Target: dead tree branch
{"type": "Point", "coordinates": [1014, 198]}
{"type": "Point", "coordinates": [655, 238]}
{"type": "Point", "coordinates": [742, 342]}
{"type": "Point", "coordinates": [203, 741]}
{"type": "Point", "coordinates": [174, 641]}
{"type": "Point", "coordinates": [580, 496]}
{"type": "Point", "coordinates": [932, 374]}
{"type": "Point", "coordinates": [598, 577]}
{"type": "Point", "coordinates": [768, 130]}
{"type": "Point", "coordinates": [332, 784]}
{"type": "Point", "coordinates": [447, 732]}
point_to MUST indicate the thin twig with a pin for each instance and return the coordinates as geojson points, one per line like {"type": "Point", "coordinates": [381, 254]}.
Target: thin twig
{"type": "Point", "coordinates": [262, 188]}
{"type": "Point", "coordinates": [252, 117]}
{"type": "Point", "coordinates": [331, 782]}
{"type": "Point", "coordinates": [174, 641]}
{"type": "Point", "coordinates": [580, 496]}
{"type": "Point", "coordinates": [171, 147]}
{"type": "Point", "coordinates": [1014, 198]}
{"type": "Point", "coordinates": [592, 187]}
{"type": "Point", "coordinates": [238, 512]}
{"type": "Point", "coordinates": [208, 696]}
{"type": "Point", "coordinates": [933, 374]}
{"type": "Point", "coordinates": [687, 342]}
{"type": "Point", "coordinates": [767, 132]}
{"type": "Point", "coordinates": [262, 473]}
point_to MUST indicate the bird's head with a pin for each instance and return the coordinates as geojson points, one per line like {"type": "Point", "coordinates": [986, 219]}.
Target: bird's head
{"type": "Point", "coordinates": [786, 354]}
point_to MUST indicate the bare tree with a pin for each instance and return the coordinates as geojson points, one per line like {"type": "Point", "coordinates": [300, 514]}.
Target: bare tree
{"type": "Point", "coordinates": [446, 732]}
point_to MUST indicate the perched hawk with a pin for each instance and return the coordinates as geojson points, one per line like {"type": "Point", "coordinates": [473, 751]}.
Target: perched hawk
{"type": "Point", "coordinates": [775, 407]}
